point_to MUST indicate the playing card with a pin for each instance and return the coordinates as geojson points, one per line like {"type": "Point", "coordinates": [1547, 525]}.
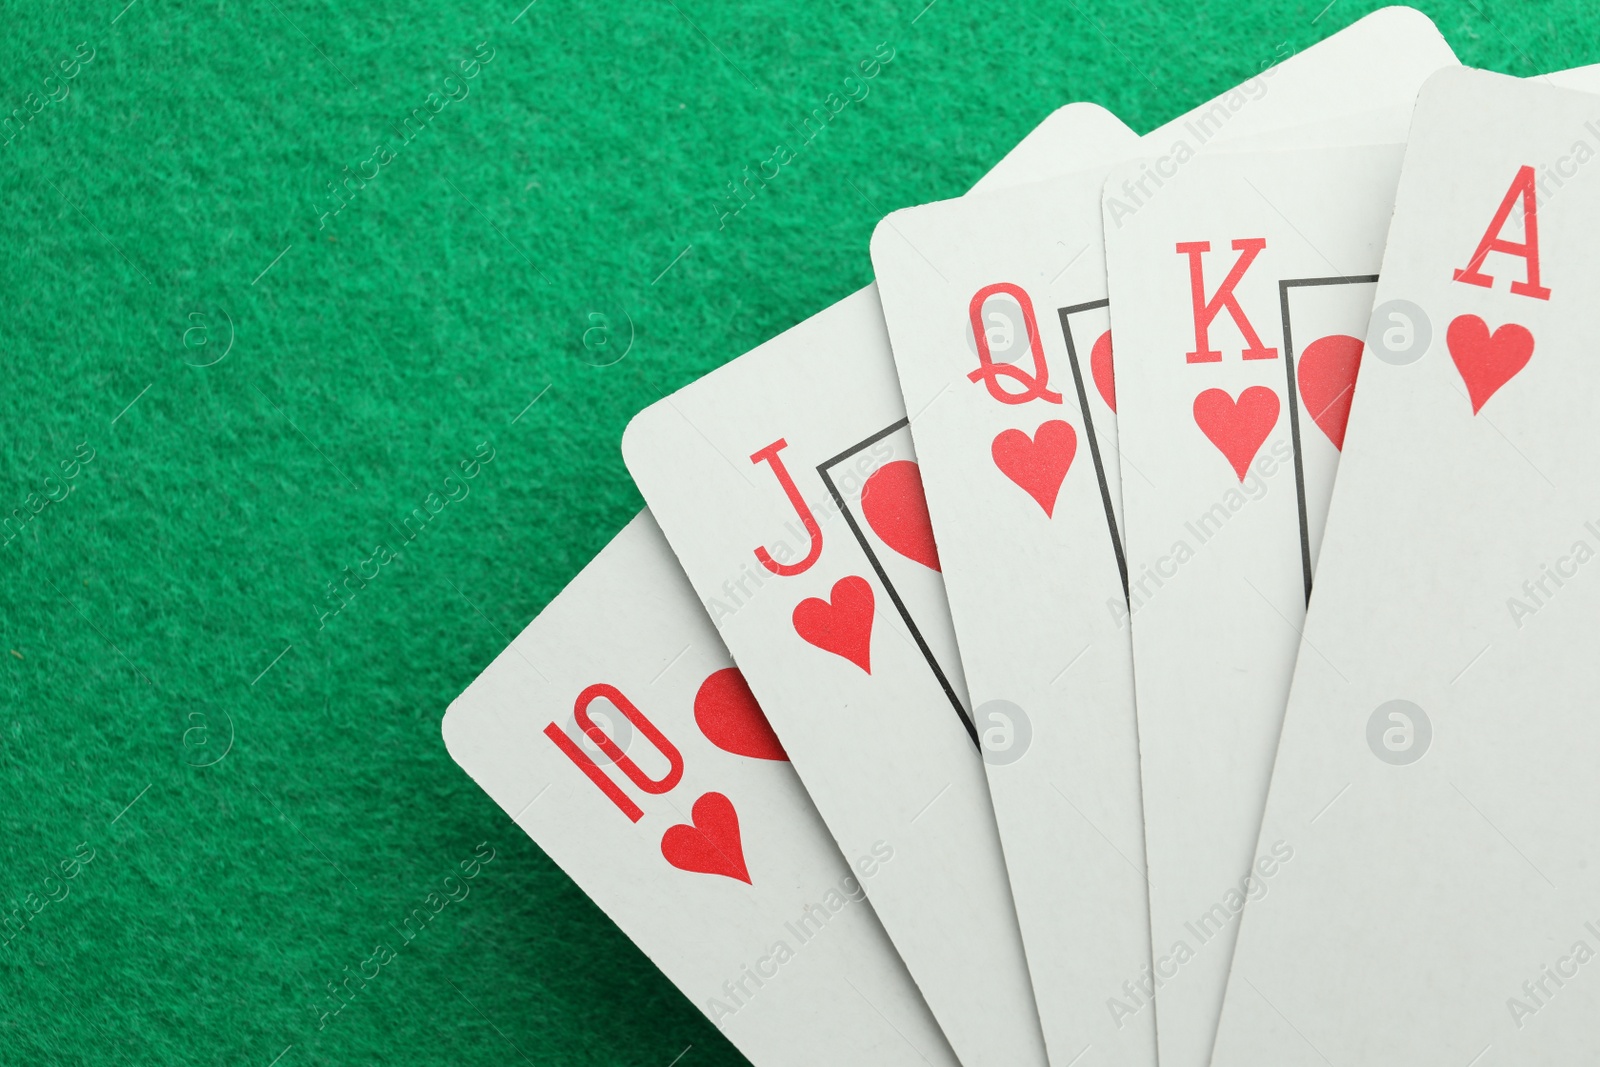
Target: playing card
{"type": "Point", "coordinates": [1239, 299]}
{"type": "Point", "coordinates": [1002, 363]}
{"type": "Point", "coordinates": [1431, 814]}
{"type": "Point", "coordinates": [788, 487]}
{"type": "Point", "coordinates": [618, 734]}
{"type": "Point", "coordinates": [1003, 352]}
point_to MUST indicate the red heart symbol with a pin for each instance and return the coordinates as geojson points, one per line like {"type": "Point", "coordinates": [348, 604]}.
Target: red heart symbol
{"type": "Point", "coordinates": [844, 626]}
{"type": "Point", "coordinates": [1105, 378]}
{"type": "Point", "coordinates": [1327, 375]}
{"type": "Point", "coordinates": [897, 511]}
{"type": "Point", "coordinates": [727, 713]}
{"type": "Point", "coordinates": [1487, 360]}
{"type": "Point", "coordinates": [1237, 428]}
{"type": "Point", "coordinates": [1038, 463]}
{"type": "Point", "coordinates": [711, 844]}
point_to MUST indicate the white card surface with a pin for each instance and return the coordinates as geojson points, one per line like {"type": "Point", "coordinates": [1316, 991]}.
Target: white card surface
{"type": "Point", "coordinates": [788, 487]}
{"type": "Point", "coordinates": [1435, 774]}
{"type": "Point", "coordinates": [1023, 485]}
{"type": "Point", "coordinates": [1020, 504]}
{"type": "Point", "coordinates": [1239, 299]}
{"type": "Point", "coordinates": [703, 846]}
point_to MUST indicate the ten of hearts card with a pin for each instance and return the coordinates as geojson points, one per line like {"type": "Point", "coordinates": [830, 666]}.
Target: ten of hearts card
{"type": "Point", "coordinates": [618, 734]}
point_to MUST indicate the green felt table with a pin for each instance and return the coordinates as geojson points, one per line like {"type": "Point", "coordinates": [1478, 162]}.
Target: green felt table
{"type": "Point", "coordinates": [273, 270]}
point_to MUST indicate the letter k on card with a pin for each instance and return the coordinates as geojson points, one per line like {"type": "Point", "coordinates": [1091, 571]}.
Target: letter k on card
{"type": "Point", "coordinates": [1239, 295]}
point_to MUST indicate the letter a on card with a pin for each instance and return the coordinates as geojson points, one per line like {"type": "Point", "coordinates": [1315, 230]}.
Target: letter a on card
{"type": "Point", "coordinates": [1436, 758]}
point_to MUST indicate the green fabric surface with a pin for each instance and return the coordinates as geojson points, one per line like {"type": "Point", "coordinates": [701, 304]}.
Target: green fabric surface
{"type": "Point", "coordinates": [248, 786]}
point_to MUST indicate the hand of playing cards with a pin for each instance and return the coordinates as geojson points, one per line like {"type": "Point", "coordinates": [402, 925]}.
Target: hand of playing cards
{"type": "Point", "coordinates": [990, 694]}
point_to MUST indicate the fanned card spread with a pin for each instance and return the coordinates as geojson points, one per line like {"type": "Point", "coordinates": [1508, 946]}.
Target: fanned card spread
{"type": "Point", "coordinates": [1151, 624]}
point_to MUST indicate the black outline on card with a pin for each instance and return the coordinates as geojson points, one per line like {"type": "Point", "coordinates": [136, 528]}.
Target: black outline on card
{"type": "Point", "coordinates": [1088, 424]}
{"type": "Point", "coordinates": [883, 576]}
{"type": "Point", "coordinates": [1284, 285]}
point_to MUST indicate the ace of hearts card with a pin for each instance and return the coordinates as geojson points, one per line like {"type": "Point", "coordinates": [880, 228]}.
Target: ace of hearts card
{"type": "Point", "coordinates": [1268, 400]}
{"type": "Point", "coordinates": [1435, 777]}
